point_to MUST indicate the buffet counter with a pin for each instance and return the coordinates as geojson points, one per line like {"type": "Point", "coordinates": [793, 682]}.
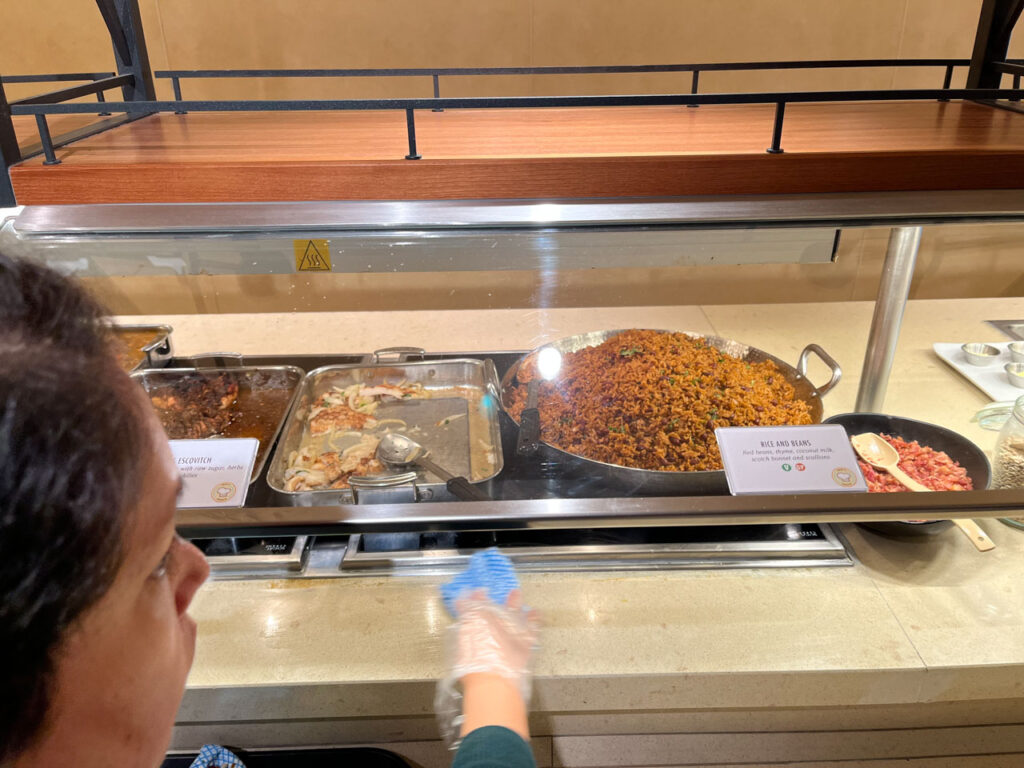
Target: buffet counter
{"type": "Point", "coordinates": [917, 651]}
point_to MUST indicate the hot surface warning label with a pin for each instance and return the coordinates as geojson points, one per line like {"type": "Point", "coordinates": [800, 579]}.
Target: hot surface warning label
{"type": "Point", "coordinates": [312, 256]}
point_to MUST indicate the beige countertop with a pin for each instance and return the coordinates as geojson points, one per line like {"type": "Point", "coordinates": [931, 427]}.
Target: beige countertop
{"type": "Point", "coordinates": [912, 622]}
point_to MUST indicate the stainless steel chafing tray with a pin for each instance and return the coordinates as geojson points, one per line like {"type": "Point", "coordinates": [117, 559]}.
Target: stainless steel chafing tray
{"type": "Point", "coordinates": [252, 381]}
{"type": "Point", "coordinates": [156, 353]}
{"type": "Point", "coordinates": [445, 379]}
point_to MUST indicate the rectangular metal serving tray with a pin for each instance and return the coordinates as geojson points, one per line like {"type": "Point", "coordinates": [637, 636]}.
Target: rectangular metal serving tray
{"type": "Point", "coordinates": [247, 376]}
{"type": "Point", "coordinates": [432, 374]}
{"type": "Point", "coordinates": [157, 353]}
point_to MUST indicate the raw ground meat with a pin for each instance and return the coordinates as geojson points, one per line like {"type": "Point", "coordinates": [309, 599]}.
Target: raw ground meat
{"type": "Point", "coordinates": [929, 467]}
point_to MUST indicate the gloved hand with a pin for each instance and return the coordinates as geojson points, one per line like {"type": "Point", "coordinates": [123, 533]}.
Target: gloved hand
{"type": "Point", "coordinates": [485, 639]}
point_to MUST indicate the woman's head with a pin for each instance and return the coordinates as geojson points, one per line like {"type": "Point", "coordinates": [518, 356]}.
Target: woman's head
{"type": "Point", "coordinates": [94, 583]}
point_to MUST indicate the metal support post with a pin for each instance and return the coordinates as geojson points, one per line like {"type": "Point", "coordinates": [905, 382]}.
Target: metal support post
{"type": "Point", "coordinates": [947, 80]}
{"type": "Point", "coordinates": [693, 86]}
{"type": "Point", "coordinates": [780, 113]}
{"type": "Point", "coordinates": [10, 153]}
{"type": "Point", "coordinates": [47, 142]}
{"type": "Point", "coordinates": [437, 92]}
{"type": "Point", "coordinates": [992, 40]}
{"type": "Point", "coordinates": [1016, 85]}
{"type": "Point", "coordinates": [893, 290]}
{"type": "Point", "coordinates": [176, 85]}
{"type": "Point", "coordinates": [410, 125]}
{"type": "Point", "coordinates": [124, 23]}
{"type": "Point", "coordinates": [101, 99]}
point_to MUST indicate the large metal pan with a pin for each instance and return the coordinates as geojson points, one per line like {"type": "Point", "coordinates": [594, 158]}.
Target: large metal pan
{"type": "Point", "coordinates": [649, 482]}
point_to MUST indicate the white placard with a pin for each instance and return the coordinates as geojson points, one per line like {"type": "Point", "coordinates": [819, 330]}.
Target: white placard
{"type": "Point", "coordinates": [812, 459]}
{"type": "Point", "coordinates": [215, 473]}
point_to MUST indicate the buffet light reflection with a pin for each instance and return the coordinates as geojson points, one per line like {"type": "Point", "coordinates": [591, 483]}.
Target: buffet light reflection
{"type": "Point", "coordinates": [433, 621]}
{"type": "Point", "coordinates": [549, 363]}
{"type": "Point", "coordinates": [544, 211]}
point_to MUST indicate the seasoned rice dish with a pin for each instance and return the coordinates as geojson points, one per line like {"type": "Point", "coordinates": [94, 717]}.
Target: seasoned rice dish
{"type": "Point", "coordinates": [652, 400]}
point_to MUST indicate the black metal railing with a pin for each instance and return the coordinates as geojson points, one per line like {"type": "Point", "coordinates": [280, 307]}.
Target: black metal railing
{"type": "Point", "coordinates": [61, 77]}
{"type": "Point", "coordinates": [56, 102]}
{"type": "Point", "coordinates": [436, 73]}
{"type": "Point", "coordinates": [523, 102]}
{"type": "Point", "coordinates": [100, 82]}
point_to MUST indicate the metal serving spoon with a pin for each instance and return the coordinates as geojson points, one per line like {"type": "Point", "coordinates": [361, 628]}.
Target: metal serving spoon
{"type": "Point", "coordinates": [877, 452]}
{"type": "Point", "coordinates": [401, 451]}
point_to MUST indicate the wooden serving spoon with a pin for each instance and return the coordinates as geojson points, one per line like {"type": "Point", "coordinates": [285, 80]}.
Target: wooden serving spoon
{"type": "Point", "coordinates": [877, 452]}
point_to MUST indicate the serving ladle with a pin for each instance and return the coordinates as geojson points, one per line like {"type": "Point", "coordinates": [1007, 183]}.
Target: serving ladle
{"type": "Point", "coordinates": [877, 452]}
{"type": "Point", "coordinates": [402, 451]}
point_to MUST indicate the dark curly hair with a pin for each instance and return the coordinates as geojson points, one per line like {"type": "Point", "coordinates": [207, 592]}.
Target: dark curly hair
{"type": "Point", "coordinates": [71, 447]}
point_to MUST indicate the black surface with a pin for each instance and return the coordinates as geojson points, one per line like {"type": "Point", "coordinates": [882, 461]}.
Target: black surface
{"type": "Point", "coordinates": [259, 545]}
{"type": "Point", "coordinates": [461, 488]}
{"type": "Point", "coordinates": [725, 534]}
{"type": "Point", "coordinates": [954, 445]}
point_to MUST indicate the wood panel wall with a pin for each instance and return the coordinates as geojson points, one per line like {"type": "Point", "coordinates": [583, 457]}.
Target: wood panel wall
{"type": "Point", "coordinates": [66, 35]}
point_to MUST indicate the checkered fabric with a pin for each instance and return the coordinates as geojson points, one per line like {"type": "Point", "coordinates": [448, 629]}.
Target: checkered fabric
{"type": "Point", "coordinates": [213, 756]}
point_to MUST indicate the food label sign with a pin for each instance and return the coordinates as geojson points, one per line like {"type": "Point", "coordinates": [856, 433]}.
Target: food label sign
{"type": "Point", "coordinates": [215, 473]}
{"type": "Point", "coordinates": [811, 459]}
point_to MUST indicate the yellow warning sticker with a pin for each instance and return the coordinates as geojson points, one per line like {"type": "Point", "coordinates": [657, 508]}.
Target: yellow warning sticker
{"type": "Point", "coordinates": [312, 256]}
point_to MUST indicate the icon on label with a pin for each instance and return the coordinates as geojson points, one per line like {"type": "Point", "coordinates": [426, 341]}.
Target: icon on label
{"type": "Point", "coordinates": [844, 477]}
{"type": "Point", "coordinates": [800, 467]}
{"type": "Point", "coordinates": [312, 256]}
{"type": "Point", "coordinates": [786, 467]}
{"type": "Point", "coordinates": [223, 492]}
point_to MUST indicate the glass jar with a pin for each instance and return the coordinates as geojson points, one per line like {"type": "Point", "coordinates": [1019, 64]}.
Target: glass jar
{"type": "Point", "coordinates": [1008, 459]}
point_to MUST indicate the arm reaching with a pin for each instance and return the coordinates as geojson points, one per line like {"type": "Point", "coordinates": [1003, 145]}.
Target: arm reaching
{"type": "Point", "coordinates": [488, 651]}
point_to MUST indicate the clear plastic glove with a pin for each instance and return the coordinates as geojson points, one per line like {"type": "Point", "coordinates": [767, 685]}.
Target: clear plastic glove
{"type": "Point", "coordinates": [485, 639]}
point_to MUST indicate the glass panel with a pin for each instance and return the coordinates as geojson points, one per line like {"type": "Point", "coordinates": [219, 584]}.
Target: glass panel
{"type": "Point", "coordinates": [734, 302]}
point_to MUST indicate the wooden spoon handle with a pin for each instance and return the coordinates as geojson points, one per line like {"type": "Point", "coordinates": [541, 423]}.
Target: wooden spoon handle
{"type": "Point", "coordinates": [900, 475]}
{"type": "Point", "coordinates": [973, 532]}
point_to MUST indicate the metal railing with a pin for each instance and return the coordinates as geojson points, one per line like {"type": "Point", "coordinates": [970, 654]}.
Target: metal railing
{"type": "Point", "coordinates": [436, 73]}
{"type": "Point", "coordinates": [64, 94]}
{"type": "Point", "coordinates": [61, 77]}
{"type": "Point", "coordinates": [55, 102]}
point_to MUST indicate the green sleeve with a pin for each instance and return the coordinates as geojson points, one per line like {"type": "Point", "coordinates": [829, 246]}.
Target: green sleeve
{"type": "Point", "coordinates": [494, 747]}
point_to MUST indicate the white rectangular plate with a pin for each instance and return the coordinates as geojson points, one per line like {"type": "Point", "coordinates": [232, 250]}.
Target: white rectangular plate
{"type": "Point", "coordinates": [991, 378]}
